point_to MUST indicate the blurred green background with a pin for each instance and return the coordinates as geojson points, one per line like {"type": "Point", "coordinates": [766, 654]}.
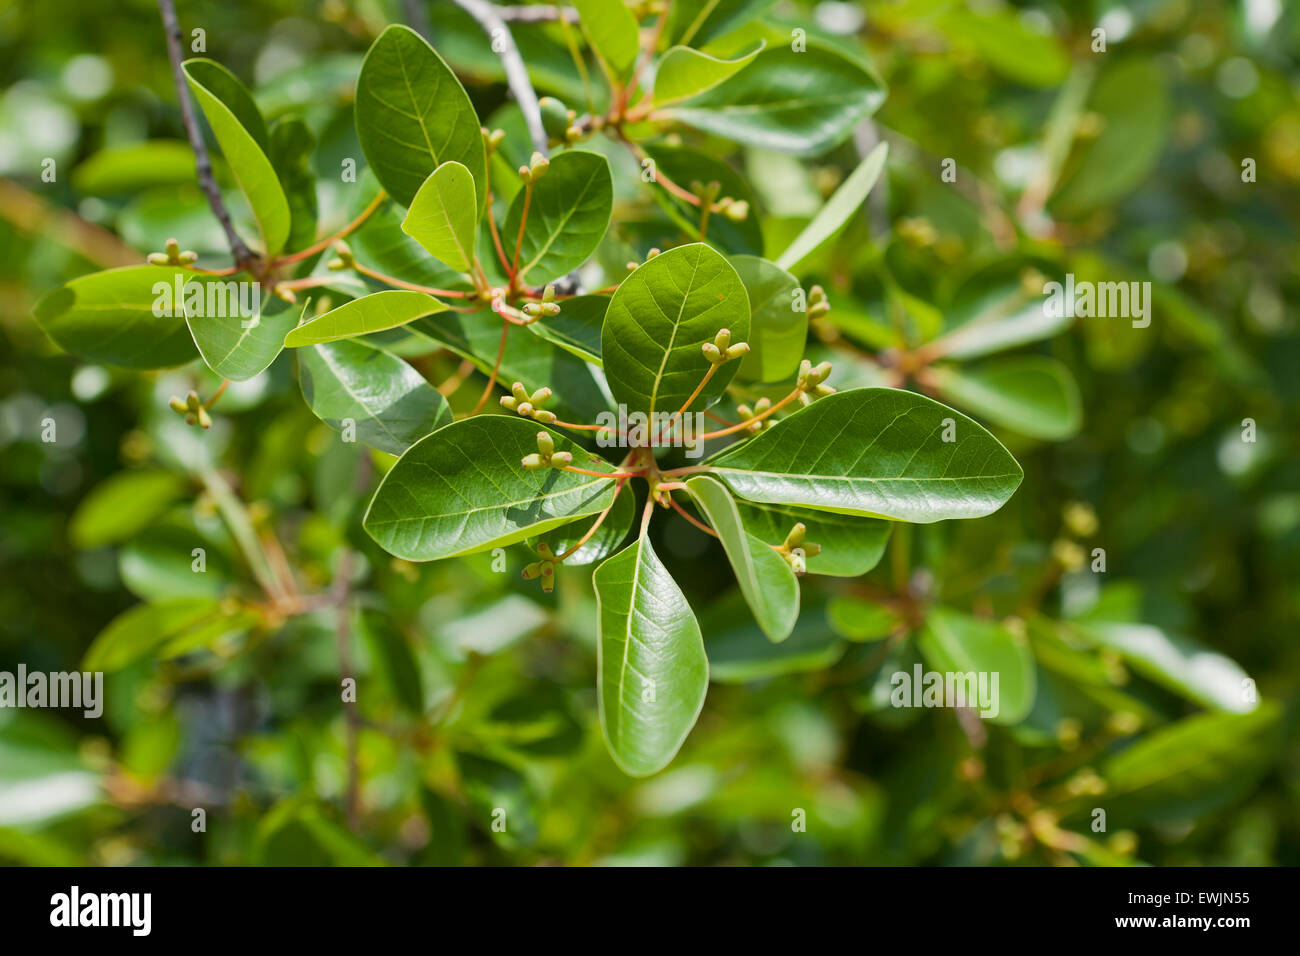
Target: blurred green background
{"type": "Point", "coordinates": [479, 691]}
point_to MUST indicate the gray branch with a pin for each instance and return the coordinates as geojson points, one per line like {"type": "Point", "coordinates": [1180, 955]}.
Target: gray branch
{"type": "Point", "coordinates": [538, 13]}
{"type": "Point", "coordinates": [203, 165]}
{"type": "Point", "coordinates": [489, 18]}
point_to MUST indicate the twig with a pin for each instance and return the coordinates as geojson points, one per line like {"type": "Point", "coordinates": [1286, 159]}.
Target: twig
{"type": "Point", "coordinates": [35, 216]}
{"type": "Point", "coordinates": [341, 585]}
{"type": "Point", "coordinates": [243, 256]}
{"type": "Point", "coordinates": [538, 13]}
{"type": "Point", "coordinates": [490, 19]}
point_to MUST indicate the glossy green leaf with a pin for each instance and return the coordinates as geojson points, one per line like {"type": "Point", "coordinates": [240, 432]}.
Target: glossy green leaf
{"type": "Point", "coordinates": [850, 545]}
{"type": "Point", "coordinates": [687, 167]}
{"type": "Point", "coordinates": [612, 30]}
{"type": "Point", "coordinates": [652, 674]}
{"type": "Point", "coordinates": [1179, 663]}
{"type": "Point", "coordinates": [777, 330]}
{"type": "Point", "coordinates": [227, 88]}
{"type": "Point", "coordinates": [609, 537]}
{"type": "Point", "coordinates": [1032, 394]}
{"type": "Point", "coordinates": [238, 347]}
{"type": "Point", "coordinates": [290, 147]}
{"type": "Point", "coordinates": [412, 115]}
{"type": "Point", "coordinates": [657, 322]}
{"type": "Point", "coordinates": [444, 215]}
{"type": "Point", "coordinates": [123, 504]}
{"type": "Point", "coordinates": [877, 452]}
{"type": "Point", "coordinates": [683, 72]}
{"type": "Point", "coordinates": [121, 317]}
{"type": "Point", "coordinates": [769, 585]}
{"type": "Point", "coordinates": [567, 217]}
{"type": "Point", "coordinates": [577, 328]}
{"type": "Point", "coordinates": [1191, 767]}
{"type": "Point", "coordinates": [957, 643]}
{"type": "Point", "coordinates": [795, 102]}
{"type": "Point", "coordinates": [695, 24]}
{"type": "Point", "coordinates": [837, 210]}
{"type": "Point", "coordinates": [372, 313]}
{"type": "Point", "coordinates": [219, 96]}
{"type": "Point", "coordinates": [389, 402]}
{"type": "Point", "coordinates": [382, 245]}
{"type": "Point", "coordinates": [463, 489]}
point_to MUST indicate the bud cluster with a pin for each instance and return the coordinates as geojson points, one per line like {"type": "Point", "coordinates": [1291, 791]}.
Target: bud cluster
{"type": "Point", "coordinates": [529, 406]}
{"type": "Point", "coordinates": [173, 256]}
{"type": "Point", "coordinates": [546, 456]}
{"type": "Point", "coordinates": [192, 409]}
{"type": "Point", "coordinates": [811, 381]}
{"type": "Point", "coordinates": [720, 350]}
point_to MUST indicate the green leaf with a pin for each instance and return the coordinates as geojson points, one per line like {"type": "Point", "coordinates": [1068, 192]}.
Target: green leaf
{"type": "Point", "coordinates": [158, 563]}
{"type": "Point", "coordinates": [230, 113]}
{"type": "Point", "coordinates": [695, 24]}
{"type": "Point", "coordinates": [390, 403]}
{"type": "Point", "coordinates": [494, 788]}
{"type": "Point", "coordinates": [739, 654]}
{"type": "Point", "coordinates": [1002, 40]}
{"type": "Point", "coordinates": [652, 673]}
{"type": "Point", "coordinates": [608, 537]}
{"type": "Point", "coordinates": [612, 31]}
{"type": "Point", "coordinates": [1179, 663]}
{"type": "Point", "coordinates": [145, 628]}
{"type": "Point", "coordinates": [371, 313]}
{"type": "Point", "coordinates": [998, 320]}
{"type": "Point", "coordinates": [291, 144]}
{"type": "Point", "coordinates": [567, 216]}
{"type": "Point", "coordinates": [382, 245]}
{"type": "Point", "coordinates": [850, 546]}
{"type": "Point", "coordinates": [837, 210]}
{"type": "Point", "coordinates": [528, 359]}
{"type": "Point", "coordinates": [393, 659]}
{"type": "Point", "coordinates": [123, 504]}
{"type": "Point", "coordinates": [686, 166]}
{"type": "Point", "coordinates": [684, 72]}
{"type": "Point", "coordinates": [769, 585]}
{"type": "Point", "coordinates": [577, 328]}
{"type": "Point", "coordinates": [958, 643]}
{"type": "Point", "coordinates": [412, 115]}
{"type": "Point", "coordinates": [1190, 768]}
{"type": "Point", "coordinates": [861, 620]}
{"type": "Point", "coordinates": [238, 347]}
{"type": "Point", "coordinates": [128, 168]}
{"type": "Point", "coordinates": [300, 833]}
{"type": "Point", "coordinates": [444, 214]}
{"type": "Point", "coordinates": [120, 317]}
{"type": "Point", "coordinates": [877, 452]}
{"type": "Point", "coordinates": [1132, 100]}
{"type": "Point", "coordinates": [1034, 395]}
{"type": "Point", "coordinates": [657, 322]}
{"type": "Point", "coordinates": [801, 103]}
{"type": "Point", "coordinates": [462, 490]}
{"type": "Point", "coordinates": [227, 88]}
{"type": "Point", "coordinates": [777, 330]}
